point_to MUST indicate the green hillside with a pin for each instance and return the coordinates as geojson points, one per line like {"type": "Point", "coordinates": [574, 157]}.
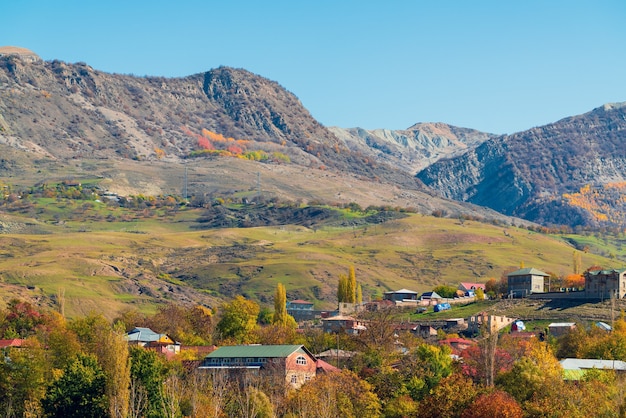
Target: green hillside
{"type": "Point", "coordinates": [131, 262]}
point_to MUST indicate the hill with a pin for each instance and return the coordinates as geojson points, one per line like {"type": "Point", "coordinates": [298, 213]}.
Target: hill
{"type": "Point", "coordinates": [98, 256]}
{"type": "Point", "coordinates": [533, 174]}
{"type": "Point", "coordinates": [60, 120]}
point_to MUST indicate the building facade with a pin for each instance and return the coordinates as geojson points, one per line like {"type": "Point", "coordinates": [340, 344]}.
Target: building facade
{"type": "Point", "coordinates": [292, 363]}
{"type": "Point", "coordinates": [523, 282]}
{"type": "Point", "coordinates": [605, 284]}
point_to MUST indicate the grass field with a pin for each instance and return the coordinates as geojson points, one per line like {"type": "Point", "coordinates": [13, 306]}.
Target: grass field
{"type": "Point", "coordinates": [139, 263]}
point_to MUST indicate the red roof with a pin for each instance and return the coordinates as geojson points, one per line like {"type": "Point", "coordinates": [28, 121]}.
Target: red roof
{"type": "Point", "coordinates": [325, 367]}
{"type": "Point", "coordinates": [302, 302]}
{"type": "Point", "coordinates": [15, 342]}
{"type": "Point", "coordinates": [469, 285]}
{"type": "Point", "coordinates": [457, 341]}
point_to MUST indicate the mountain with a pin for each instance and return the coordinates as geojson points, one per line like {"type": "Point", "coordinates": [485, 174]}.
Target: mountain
{"type": "Point", "coordinates": [542, 174]}
{"type": "Point", "coordinates": [221, 131]}
{"type": "Point", "coordinates": [415, 148]}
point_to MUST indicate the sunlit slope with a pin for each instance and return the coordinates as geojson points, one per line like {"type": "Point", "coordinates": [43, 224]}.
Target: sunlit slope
{"type": "Point", "coordinates": [109, 271]}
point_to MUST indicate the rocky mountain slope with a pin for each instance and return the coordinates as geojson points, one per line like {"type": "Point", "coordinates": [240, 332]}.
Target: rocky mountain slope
{"type": "Point", "coordinates": [412, 149]}
{"type": "Point", "coordinates": [531, 174]}
{"type": "Point", "coordinates": [140, 134]}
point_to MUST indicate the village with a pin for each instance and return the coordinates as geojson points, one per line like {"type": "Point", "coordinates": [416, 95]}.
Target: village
{"type": "Point", "coordinates": [298, 365]}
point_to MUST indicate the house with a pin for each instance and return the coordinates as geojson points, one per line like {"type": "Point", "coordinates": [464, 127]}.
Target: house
{"type": "Point", "coordinates": [14, 342]}
{"type": "Point", "coordinates": [489, 323]}
{"type": "Point", "coordinates": [342, 323]}
{"type": "Point", "coordinates": [605, 284]}
{"type": "Point", "coordinates": [401, 296]}
{"type": "Point", "coordinates": [301, 310]}
{"type": "Point", "coordinates": [425, 331]}
{"type": "Point", "coordinates": [457, 345]}
{"type": "Point", "coordinates": [575, 368]}
{"type": "Point", "coordinates": [525, 281]}
{"type": "Point", "coordinates": [145, 337]}
{"type": "Point", "coordinates": [556, 329]}
{"type": "Point", "coordinates": [293, 364]}
{"type": "Point", "coordinates": [299, 305]}
{"type": "Point", "coordinates": [469, 289]}
{"type": "Point", "coordinates": [431, 296]}
{"type": "Point", "coordinates": [378, 305]}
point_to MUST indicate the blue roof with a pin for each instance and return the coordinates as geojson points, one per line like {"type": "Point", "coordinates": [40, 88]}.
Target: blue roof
{"type": "Point", "coordinates": [141, 334]}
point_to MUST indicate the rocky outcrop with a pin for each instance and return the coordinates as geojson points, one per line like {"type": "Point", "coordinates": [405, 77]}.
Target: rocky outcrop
{"type": "Point", "coordinates": [415, 148]}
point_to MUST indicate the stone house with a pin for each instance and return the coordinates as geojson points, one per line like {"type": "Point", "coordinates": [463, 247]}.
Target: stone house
{"type": "Point", "coordinates": [605, 284]}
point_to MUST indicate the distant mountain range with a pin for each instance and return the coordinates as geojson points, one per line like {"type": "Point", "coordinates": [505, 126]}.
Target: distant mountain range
{"type": "Point", "coordinates": [59, 120]}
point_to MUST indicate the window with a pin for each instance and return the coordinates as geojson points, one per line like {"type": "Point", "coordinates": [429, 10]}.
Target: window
{"type": "Point", "coordinates": [307, 378]}
{"type": "Point", "coordinates": [301, 360]}
{"type": "Point", "coordinates": [294, 379]}
{"type": "Point", "coordinates": [249, 360]}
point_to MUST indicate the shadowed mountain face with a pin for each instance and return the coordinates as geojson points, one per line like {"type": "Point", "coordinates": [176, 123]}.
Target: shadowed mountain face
{"type": "Point", "coordinates": [540, 174]}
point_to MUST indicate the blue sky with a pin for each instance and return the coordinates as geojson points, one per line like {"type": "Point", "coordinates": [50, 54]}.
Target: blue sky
{"type": "Point", "coordinates": [496, 66]}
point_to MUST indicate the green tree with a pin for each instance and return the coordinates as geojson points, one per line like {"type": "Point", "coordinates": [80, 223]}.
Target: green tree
{"type": "Point", "coordinates": [148, 372]}
{"type": "Point", "coordinates": [79, 392]}
{"type": "Point", "coordinates": [445, 291]}
{"type": "Point", "coordinates": [238, 320]}
{"type": "Point", "coordinates": [425, 367]}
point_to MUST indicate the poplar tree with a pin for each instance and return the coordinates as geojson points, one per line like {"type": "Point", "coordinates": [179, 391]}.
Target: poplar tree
{"type": "Point", "coordinates": [351, 290]}
{"type": "Point", "coordinates": [280, 305]}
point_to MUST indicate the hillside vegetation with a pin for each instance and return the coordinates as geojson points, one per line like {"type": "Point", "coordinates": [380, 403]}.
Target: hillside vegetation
{"type": "Point", "coordinates": [90, 255]}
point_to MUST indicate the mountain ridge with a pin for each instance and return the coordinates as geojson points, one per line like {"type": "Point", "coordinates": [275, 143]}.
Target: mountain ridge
{"type": "Point", "coordinates": [55, 115]}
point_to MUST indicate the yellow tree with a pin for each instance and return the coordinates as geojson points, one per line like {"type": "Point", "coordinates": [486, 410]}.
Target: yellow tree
{"type": "Point", "coordinates": [280, 305]}
{"type": "Point", "coordinates": [351, 290]}
{"type": "Point", "coordinates": [239, 320]}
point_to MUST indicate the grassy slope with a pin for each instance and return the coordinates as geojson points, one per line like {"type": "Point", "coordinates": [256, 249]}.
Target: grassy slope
{"type": "Point", "coordinates": [118, 265]}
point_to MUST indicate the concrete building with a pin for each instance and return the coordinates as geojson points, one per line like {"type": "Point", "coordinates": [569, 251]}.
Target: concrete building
{"type": "Point", "coordinates": [523, 282]}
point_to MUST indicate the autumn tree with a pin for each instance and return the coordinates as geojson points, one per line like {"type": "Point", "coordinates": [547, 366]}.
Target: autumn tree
{"type": "Point", "coordinates": [538, 372]}
{"type": "Point", "coordinates": [22, 377]}
{"type": "Point", "coordinates": [331, 395]}
{"type": "Point", "coordinates": [98, 337]}
{"type": "Point", "coordinates": [448, 398]}
{"type": "Point", "coordinates": [491, 286]}
{"type": "Point", "coordinates": [577, 262]}
{"type": "Point", "coordinates": [351, 295]}
{"type": "Point", "coordinates": [496, 404]}
{"type": "Point", "coordinates": [280, 305]}
{"type": "Point", "coordinates": [238, 320]}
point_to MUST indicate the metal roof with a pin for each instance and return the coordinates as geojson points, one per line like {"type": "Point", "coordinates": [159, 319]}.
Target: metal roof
{"type": "Point", "coordinates": [266, 351]}
{"type": "Point", "coordinates": [530, 270]}
{"type": "Point", "coordinates": [583, 363]}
